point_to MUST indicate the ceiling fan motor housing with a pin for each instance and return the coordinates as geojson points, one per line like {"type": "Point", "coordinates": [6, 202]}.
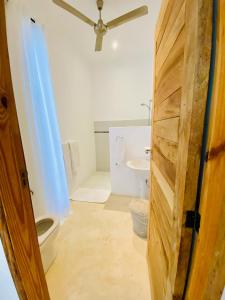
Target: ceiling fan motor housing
{"type": "Point", "coordinates": [100, 27]}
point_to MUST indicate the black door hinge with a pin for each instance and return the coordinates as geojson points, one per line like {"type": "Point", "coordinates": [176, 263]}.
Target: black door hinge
{"type": "Point", "coordinates": [24, 178]}
{"type": "Point", "coordinates": [193, 220]}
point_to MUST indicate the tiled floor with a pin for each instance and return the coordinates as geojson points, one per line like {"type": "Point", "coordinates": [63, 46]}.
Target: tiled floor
{"type": "Point", "coordinates": [99, 256]}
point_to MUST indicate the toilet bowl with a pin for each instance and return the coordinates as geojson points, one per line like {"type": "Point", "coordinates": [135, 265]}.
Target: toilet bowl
{"type": "Point", "coordinates": [47, 231]}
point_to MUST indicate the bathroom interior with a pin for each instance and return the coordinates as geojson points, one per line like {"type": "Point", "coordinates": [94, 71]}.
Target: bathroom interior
{"type": "Point", "coordinates": [88, 148]}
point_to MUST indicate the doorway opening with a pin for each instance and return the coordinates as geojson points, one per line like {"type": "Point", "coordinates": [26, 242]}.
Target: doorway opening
{"type": "Point", "coordinates": [102, 106]}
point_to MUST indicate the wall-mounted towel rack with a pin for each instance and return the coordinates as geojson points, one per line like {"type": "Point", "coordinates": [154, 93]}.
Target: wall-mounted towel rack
{"type": "Point", "coordinates": [101, 131]}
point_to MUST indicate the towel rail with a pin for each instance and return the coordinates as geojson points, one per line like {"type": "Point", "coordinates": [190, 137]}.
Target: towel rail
{"type": "Point", "coordinates": [101, 131]}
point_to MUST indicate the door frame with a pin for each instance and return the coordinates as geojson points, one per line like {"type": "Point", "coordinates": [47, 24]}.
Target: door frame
{"type": "Point", "coordinates": [207, 274]}
{"type": "Point", "coordinates": [17, 225]}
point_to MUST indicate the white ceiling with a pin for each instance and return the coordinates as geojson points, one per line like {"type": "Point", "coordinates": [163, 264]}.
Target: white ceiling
{"type": "Point", "coordinates": [136, 38]}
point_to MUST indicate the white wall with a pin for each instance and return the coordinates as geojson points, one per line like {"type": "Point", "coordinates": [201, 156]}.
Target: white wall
{"type": "Point", "coordinates": [73, 91]}
{"type": "Point", "coordinates": [128, 143]}
{"type": "Point", "coordinates": [115, 82]}
{"type": "Point", "coordinates": [120, 87]}
{"type": "Point", "coordinates": [14, 15]}
{"type": "Point", "coordinates": [72, 88]}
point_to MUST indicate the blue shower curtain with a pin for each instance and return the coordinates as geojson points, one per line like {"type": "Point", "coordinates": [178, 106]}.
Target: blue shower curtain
{"type": "Point", "coordinates": [42, 121]}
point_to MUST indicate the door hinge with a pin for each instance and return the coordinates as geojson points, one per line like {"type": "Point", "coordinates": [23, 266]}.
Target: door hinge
{"type": "Point", "coordinates": [24, 178]}
{"type": "Point", "coordinates": [193, 220]}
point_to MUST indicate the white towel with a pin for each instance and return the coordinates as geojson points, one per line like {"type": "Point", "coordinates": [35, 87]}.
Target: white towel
{"type": "Point", "coordinates": [74, 156]}
{"type": "Point", "coordinates": [67, 161]}
{"type": "Point", "coordinates": [72, 162]}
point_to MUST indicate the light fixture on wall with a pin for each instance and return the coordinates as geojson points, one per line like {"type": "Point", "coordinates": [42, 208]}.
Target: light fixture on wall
{"type": "Point", "coordinates": [115, 45]}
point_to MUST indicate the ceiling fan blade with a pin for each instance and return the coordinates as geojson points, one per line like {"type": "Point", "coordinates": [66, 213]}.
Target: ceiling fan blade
{"type": "Point", "coordinates": [99, 39]}
{"type": "Point", "coordinates": [74, 11]}
{"type": "Point", "coordinates": [136, 13]}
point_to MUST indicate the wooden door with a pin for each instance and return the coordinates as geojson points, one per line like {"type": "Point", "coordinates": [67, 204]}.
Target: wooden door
{"type": "Point", "coordinates": [207, 278]}
{"type": "Point", "coordinates": [182, 61]}
{"type": "Point", "coordinates": [17, 228]}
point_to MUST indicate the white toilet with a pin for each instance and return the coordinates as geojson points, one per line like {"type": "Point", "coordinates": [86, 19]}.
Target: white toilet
{"type": "Point", "coordinates": [47, 230]}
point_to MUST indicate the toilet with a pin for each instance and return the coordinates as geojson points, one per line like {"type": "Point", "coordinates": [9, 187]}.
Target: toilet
{"type": "Point", "coordinates": [47, 231]}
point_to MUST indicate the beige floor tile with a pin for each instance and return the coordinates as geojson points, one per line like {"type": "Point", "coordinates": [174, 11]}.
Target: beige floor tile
{"type": "Point", "coordinates": [99, 257]}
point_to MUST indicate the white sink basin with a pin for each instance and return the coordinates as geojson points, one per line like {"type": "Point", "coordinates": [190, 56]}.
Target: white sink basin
{"type": "Point", "coordinates": [139, 164]}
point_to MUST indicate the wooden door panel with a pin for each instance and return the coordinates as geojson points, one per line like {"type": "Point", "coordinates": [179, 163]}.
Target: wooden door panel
{"type": "Point", "coordinates": [162, 225]}
{"type": "Point", "coordinates": [178, 114]}
{"type": "Point", "coordinates": [169, 40]}
{"type": "Point", "coordinates": [175, 53]}
{"type": "Point", "coordinates": [167, 129]}
{"type": "Point", "coordinates": [165, 249]}
{"type": "Point", "coordinates": [164, 15]}
{"type": "Point", "coordinates": [170, 81]}
{"type": "Point", "coordinates": [166, 167]}
{"type": "Point", "coordinates": [170, 107]}
{"type": "Point", "coordinates": [176, 8]}
{"type": "Point", "coordinates": [164, 186]}
{"type": "Point", "coordinates": [159, 270]}
{"type": "Point", "coordinates": [160, 198]}
{"type": "Point", "coordinates": [167, 148]}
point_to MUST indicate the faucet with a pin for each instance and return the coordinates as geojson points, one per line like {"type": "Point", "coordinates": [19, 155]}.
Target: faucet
{"type": "Point", "coordinates": [149, 109]}
{"type": "Point", "coordinates": [147, 105]}
{"type": "Point", "coordinates": [148, 151]}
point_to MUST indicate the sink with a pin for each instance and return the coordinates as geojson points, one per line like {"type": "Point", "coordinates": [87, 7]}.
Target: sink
{"type": "Point", "coordinates": [139, 164]}
{"type": "Point", "coordinates": [141, 168]}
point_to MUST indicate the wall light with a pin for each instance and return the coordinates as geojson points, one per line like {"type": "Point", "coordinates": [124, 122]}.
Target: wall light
{"type": "Point", "coordinates": [115, 45]}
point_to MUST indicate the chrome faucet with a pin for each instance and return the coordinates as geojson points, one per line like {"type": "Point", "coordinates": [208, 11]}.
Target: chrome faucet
{"type": "Point", "coordinates": [148, 151]}
{"type": "Point", "coordinates": [149, 109]}
{"type": "Point", "coordinates": [146, 105]}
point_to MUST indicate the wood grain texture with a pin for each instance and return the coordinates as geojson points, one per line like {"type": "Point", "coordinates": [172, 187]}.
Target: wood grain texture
{"type": "Point", "coordinates": [195, 87]}
{"type": "Point", "coordinates": [167, 129]}
{"type": "Point", "coordinates": [176, 52]}
{"type": "Point", "coordinates": [164, 186]}
{"type": "Point", "coordinates": [18, 232]}
{"type": "Point", "coordinates": [159, 267]}
{"type": "Point", "coordinates": [163, 202]}
{"type": "Point", "coordinates": [169, 108]}
{"type": "Point", "coordinates": [172, 12]}
{"type": "Point", "coordinates": [171, 37]}
{"type": "Point", "coordinates": [166, 167]}
{"type": "Point", "coordinates": [207, 278]}
{"type": "Point", "coordinates": [167, 148]}
{"type": "Point", "coordinates": [8, 248]}
{"type": "Point", "coordinates": [163, 224]}
{"type": "Point", "coordinates": [163, 19]}
{"type": "Point", "coordinates": [170, 81]}
{"type": "Point", "coordinates": [181, 81]}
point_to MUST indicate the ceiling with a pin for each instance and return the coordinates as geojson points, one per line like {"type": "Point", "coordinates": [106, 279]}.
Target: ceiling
{"type": "Point", "coordinates": [135, 39]}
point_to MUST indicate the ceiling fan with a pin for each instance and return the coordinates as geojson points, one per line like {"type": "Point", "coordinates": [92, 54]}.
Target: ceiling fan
{"type": "Point", "coordinates": [100, 27]}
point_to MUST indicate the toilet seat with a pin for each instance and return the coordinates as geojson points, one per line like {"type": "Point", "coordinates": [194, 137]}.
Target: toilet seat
{"type": "Point", "coordinates": [51, 229]}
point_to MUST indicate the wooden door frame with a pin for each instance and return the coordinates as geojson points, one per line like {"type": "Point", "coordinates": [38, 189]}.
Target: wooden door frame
{"type": "Point", "coordinates": [17, 227]}
{"type": "Point", "coordinates": [207, 277]}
